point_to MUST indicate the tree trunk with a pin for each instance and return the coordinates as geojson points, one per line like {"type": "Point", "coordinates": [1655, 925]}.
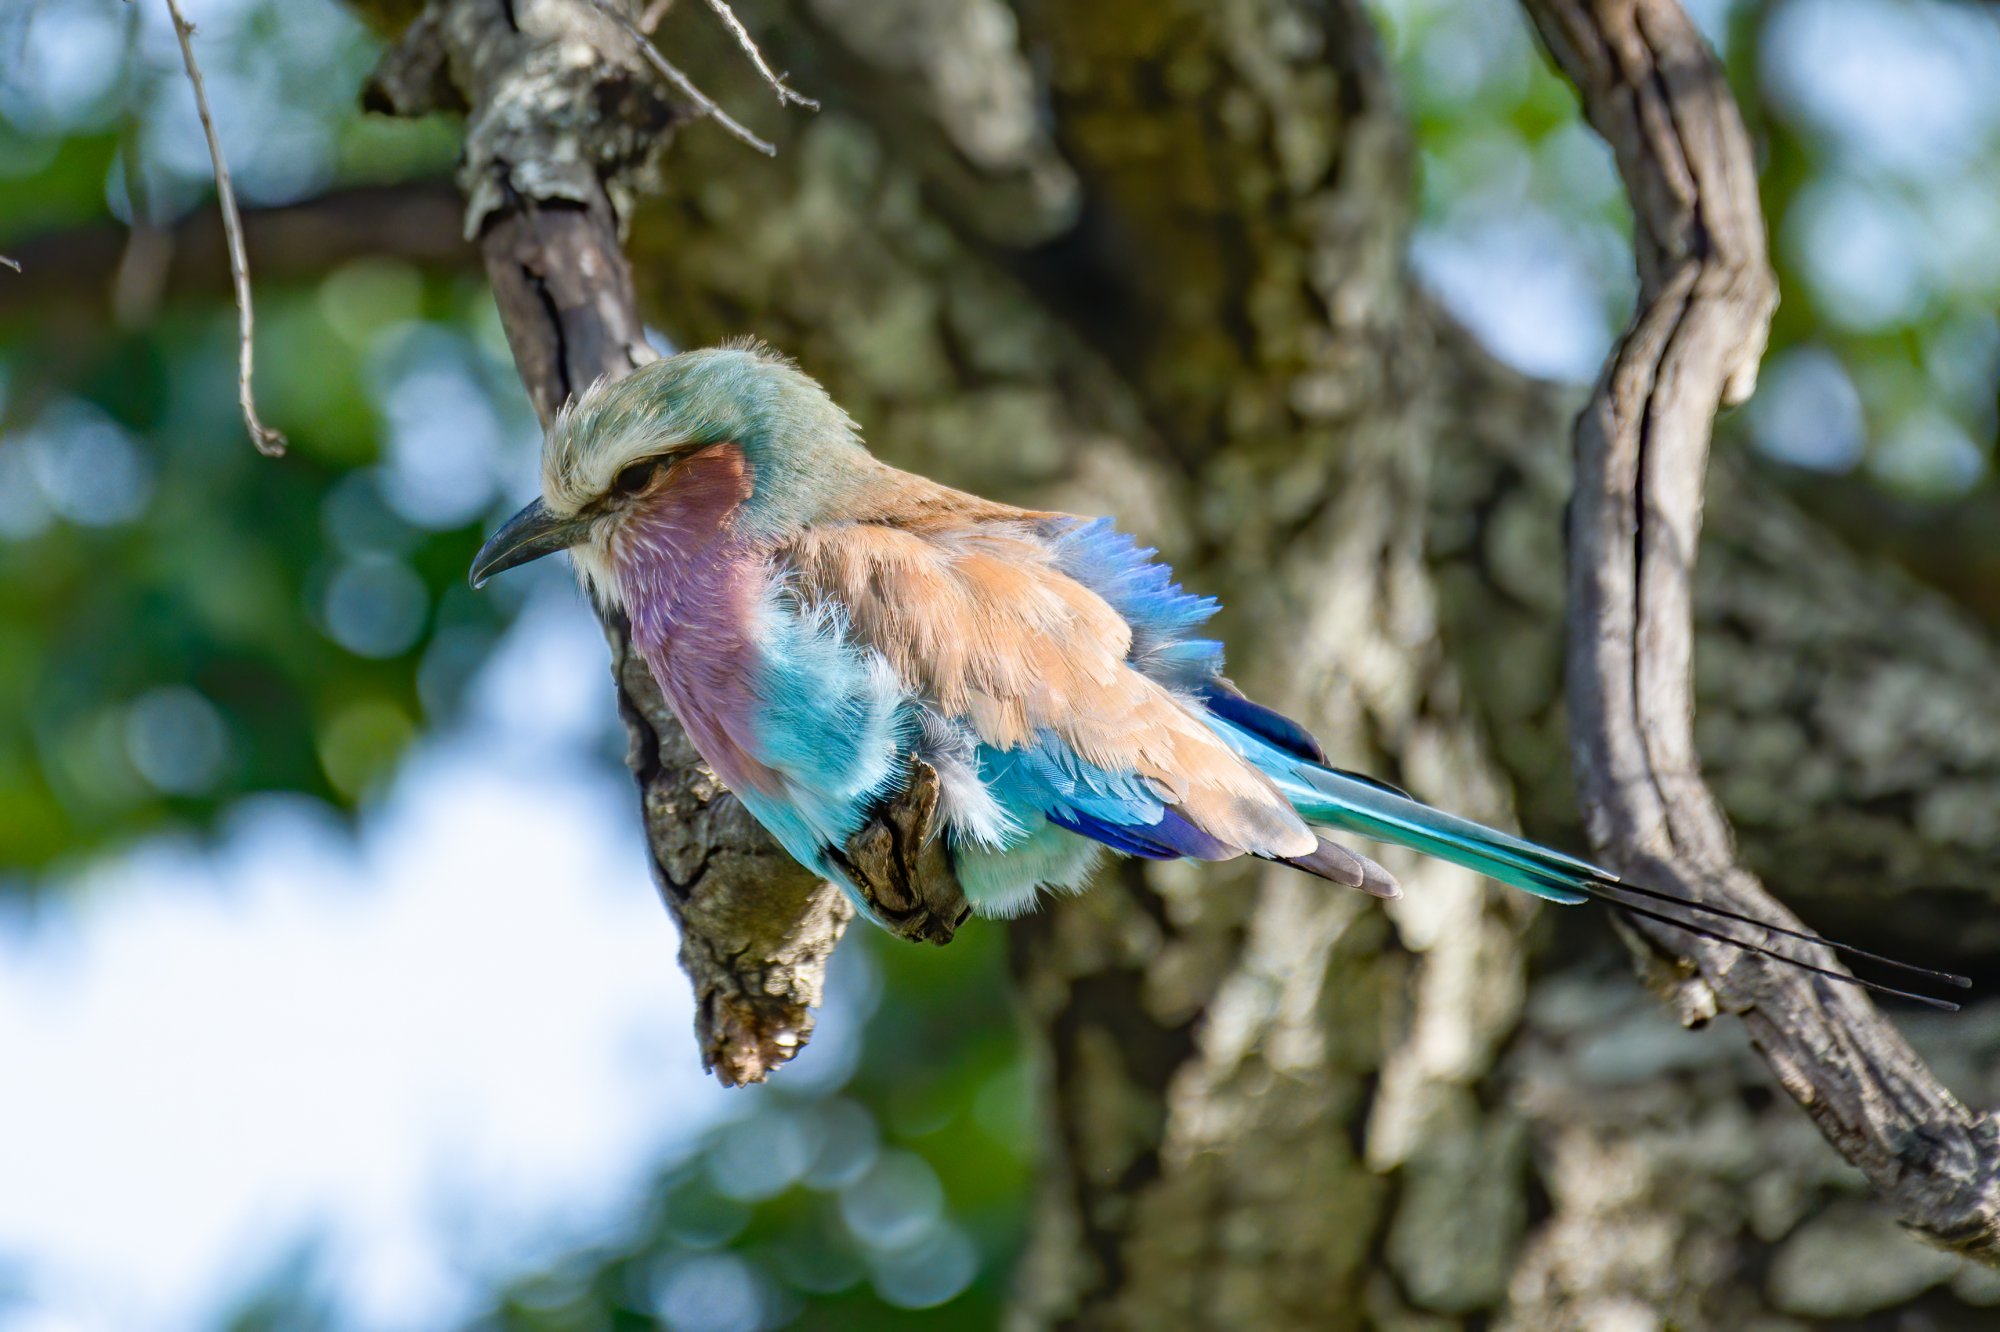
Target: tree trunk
{"type": "Point", "coordinates": [1162, 275]}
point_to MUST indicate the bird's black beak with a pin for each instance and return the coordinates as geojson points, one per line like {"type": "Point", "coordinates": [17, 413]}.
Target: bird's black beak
{"type": "Point", "coordinates": [528, 535]}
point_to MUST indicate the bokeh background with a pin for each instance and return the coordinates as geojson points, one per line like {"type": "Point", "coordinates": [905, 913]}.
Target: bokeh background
{"type": "Point", "coordinates": [333, 991]}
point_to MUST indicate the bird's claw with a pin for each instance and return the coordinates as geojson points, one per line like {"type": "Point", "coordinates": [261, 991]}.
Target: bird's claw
{"type": "Point", "coordinates": [901, 867]}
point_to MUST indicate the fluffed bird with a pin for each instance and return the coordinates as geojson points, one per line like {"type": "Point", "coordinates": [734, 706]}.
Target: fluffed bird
{"type": "Point", "coordinates": [818, 618]}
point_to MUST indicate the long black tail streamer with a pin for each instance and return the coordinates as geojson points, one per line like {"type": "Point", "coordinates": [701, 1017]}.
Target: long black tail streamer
{"type": "Point", "coordinates": [1618, 892]}
{"type": "Point", "coordinates": [1607, 888]}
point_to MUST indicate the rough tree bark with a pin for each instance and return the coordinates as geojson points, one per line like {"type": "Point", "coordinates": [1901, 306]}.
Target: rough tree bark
{"type": "Point", "coordinates": [1158, 269]}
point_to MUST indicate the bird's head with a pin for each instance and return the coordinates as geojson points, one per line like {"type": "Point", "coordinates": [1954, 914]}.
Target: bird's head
{"type": "Point", "coordinates": [625, 447]}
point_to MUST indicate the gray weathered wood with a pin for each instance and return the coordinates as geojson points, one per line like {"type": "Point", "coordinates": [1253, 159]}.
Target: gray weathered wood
{"type": "Point", "coordinates": [1654, 92]}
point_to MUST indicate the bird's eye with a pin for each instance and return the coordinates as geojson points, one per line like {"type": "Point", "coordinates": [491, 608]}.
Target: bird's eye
{"type": "Point", "coordinates": [634, 478]}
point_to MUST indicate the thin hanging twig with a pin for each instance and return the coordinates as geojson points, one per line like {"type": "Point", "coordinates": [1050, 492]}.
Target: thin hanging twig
{"type": "Point", "coordinates": [667, 70]}
{"type": "Point", "coordinates": [14, 264]}
{"type": "Point", "coordinates": [749, 44]}
{"type": "Point", "coordinates": [268, 441]}
{"type": "Point", "coordinates": [654, 15]}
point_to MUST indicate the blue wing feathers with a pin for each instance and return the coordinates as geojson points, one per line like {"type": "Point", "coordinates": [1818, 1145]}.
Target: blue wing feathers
{"type": "Point", "coordinates": [1172, 838]}
{"type": "Point", "coordinates": [1162, 614]}
{"type": "Point", "coordinates": [1280, 730]}
{"type": "Point", "coordinates": [1222, 700]}
{"type": "Point", "coordinates": [837, 724]}
{"type": "Point", "coordinates": [1048, 777]}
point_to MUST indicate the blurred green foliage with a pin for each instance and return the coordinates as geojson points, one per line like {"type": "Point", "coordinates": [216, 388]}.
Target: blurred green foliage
{"type": "Point", "coordinates": [1878, 129]}
{"type": "Point", "coordinates": [184, 621]}
{"type": "Point", "coordinates": [893, 1198]}
{"type": "Point", "coordinates": [181, 620]}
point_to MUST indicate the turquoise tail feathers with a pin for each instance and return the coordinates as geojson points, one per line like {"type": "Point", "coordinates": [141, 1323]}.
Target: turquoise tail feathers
{"type": "Point", "coordinates": [1352, 803]}
{"type": "Point", "coordinates": [1358, 805]}
{"type": "Point", "coordinates": [1336, 800]}
{"type": "Point", "coordinates": [1286, 752]}
{"type": "Point", "coordinates": [1369, 809]}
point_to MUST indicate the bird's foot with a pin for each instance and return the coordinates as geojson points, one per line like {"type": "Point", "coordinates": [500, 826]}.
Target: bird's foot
{"type": "Point", "coordinates": [901, 867]}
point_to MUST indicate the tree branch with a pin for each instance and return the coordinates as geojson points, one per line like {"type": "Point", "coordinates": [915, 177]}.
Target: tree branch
{"type": "Point", "coordinates": [1219, 1049]}
{"type": "Point", "coordinates": [563, 126]}
{"type": "Point", "coordinates": [1841, 710]}
{"type": "Point", "coordinates": [1650, 87]}
{"type": "Point", "coordinates": [1223, 1051]}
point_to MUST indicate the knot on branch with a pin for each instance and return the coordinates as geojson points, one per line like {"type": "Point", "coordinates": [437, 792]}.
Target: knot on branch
{"type": "Point", "coordinates": [754, 1014]}
{"type": "Point", "coordinates": [413, 77]}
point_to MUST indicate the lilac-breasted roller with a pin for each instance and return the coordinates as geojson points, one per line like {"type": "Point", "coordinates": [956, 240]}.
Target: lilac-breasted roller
{"type": "Point", "coordinates": [817, 618]}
